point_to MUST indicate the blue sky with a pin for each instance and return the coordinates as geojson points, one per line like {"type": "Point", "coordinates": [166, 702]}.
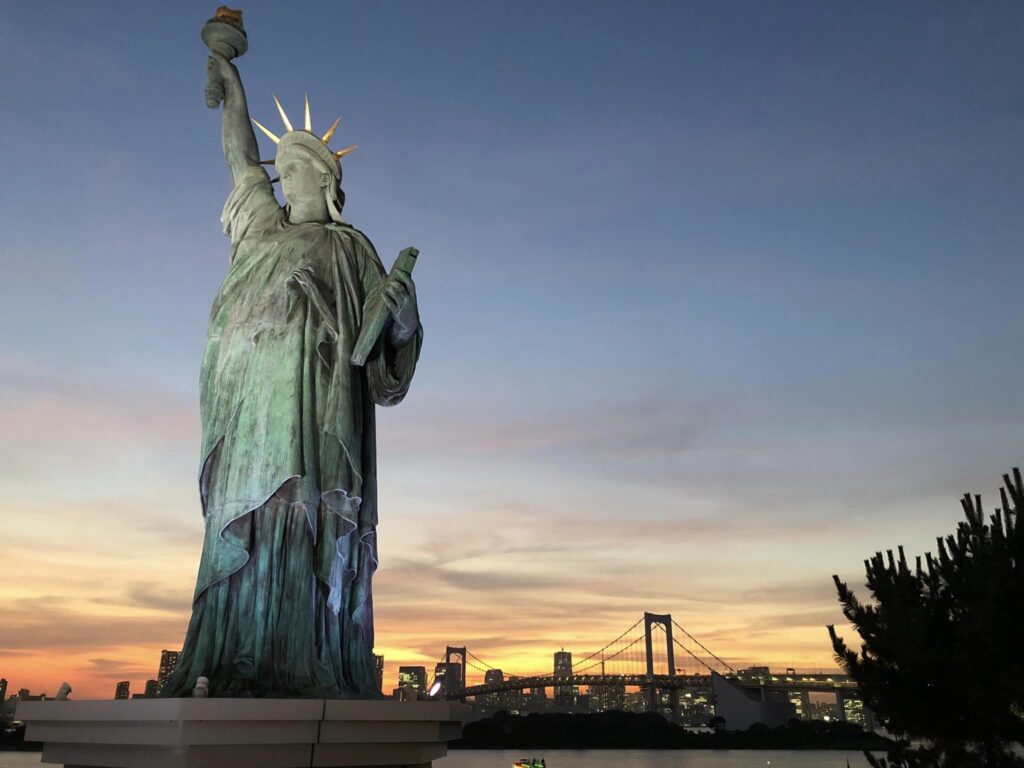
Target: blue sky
{"type": "Point", "coordinates": [718, 299]}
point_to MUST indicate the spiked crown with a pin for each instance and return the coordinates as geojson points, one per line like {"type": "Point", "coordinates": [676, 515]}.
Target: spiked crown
{"type": "Point", "coordinates": [306, 138]}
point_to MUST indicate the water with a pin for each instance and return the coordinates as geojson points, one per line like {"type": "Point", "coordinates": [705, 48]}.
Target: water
{"type": "Point", "coordinates": [625, 758]}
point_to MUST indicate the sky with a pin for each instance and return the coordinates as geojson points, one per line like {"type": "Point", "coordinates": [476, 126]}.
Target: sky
{"type": "Point", "coordinates": [719, 299]}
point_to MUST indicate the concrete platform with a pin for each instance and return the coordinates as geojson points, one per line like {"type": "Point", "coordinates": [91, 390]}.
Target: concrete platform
{"type": "Point", "coordinates": [247, 733]}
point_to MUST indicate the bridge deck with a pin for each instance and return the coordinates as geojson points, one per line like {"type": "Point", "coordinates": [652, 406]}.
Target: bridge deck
{"type": "Point", "coordinates": [809, 683]}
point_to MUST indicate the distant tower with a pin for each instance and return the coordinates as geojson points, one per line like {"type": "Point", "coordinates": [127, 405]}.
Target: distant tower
{"type": "Point", "coordinates": [122, 691]}
{"type": "Point", "coordinates": [455, 679]}
{"type": "Point", "coordinates": [168, 661]}
{"type": "Point", "coordinates": [378, 663]}
{"type": "Point", "coordinates": [563, 668]}
{"type": "Point", "coordinates": [3, 691]}
{"type": "Point", "coordinates": [152, 689]}
{"type": "Point", "coordinates": [663, 620]}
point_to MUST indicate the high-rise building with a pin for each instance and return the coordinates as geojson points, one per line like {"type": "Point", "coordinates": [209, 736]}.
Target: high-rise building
{"type": "Point", "coordinates": [493, 677]}
{"type": "Point", "coordinates": [152, 689]}
{"type": "Point", "coordinates": [122, 692]}
{"type": "Point", "coordinates": [3, 690]}
{"type": "Point", "coordinates": [413, 678]}
{"type": "Point", "coordinates": [517, 701]}
{"type": "Point", "coordinates": [607, 698]}
{"type": "Point", "coordinates": [851, 709]}
{"type": "Point", "coordinates": [822, 710]}
{"type": "Point", "coordinates": [802, 701]}
{"type": "Point", "coordinates": [563, 668]}
{"type": "Point", "coordinates": [168, 661]}
{"type": "Point", "coordinates": [537, 700]}
{"type": "Point", "coordinates": [696, 706]}
{"type": "Point", "coordinates": [636, 702]}
{"type": "Point", "coordinates": [378, 663]}
{"type": "Point", "coordinates": [449, 676]}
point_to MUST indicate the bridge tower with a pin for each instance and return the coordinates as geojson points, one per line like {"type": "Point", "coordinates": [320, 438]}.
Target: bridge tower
{"type": "Point", "coordinates": [460, 653]}
{"type": "Point", "coordinates": [665, 621]}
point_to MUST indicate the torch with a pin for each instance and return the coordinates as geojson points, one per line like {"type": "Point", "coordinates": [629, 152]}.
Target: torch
{"type": "Point", "coordinates": [223, 34]}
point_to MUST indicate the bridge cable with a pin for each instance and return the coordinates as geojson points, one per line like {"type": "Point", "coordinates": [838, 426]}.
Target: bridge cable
{"type": "Point", "coordinates": [470, 653]}
{"type": "Point", "coordinates": [477, 668]}
{"type": "Point", "coordinates": [596, 663]}
{"type": "Point", "coordinates": [595, 653]}
{"type": "Point", "coordinates": [698, 642]}
{"type": "Point", "coordinates": [609, 645]}
{"type": "Point", "coordinates": [608, 658]}
{"type": "Point", "coordinates": [695, 656]}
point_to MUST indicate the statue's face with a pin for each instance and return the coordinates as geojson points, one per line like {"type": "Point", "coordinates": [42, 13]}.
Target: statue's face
{"type": "Point", "coordinates": [302, 180]}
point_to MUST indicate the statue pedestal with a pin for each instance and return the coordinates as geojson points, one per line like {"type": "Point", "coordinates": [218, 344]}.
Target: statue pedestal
{"type": "Point", "coordinates": [248, 733]}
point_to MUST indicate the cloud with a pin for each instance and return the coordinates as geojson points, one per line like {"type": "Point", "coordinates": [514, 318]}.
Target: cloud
{"type": "Point", "coordinates": [81, 442]}
{"type": "Point", "coordinates": [52, 624]}
{"type": "Point", "coordinates": [801, 619]}
{"type": "Point", "coordinates": [479, 582]}
{"type": "Point", "coordinates": [42, 407]}
{"type": "Point", "coordinates": [151, 597]}
{"type": "Point", "coordinates": [120, 668]}
{"type": "Point", "coordinates": [623, 429]}
{"type": "Point", "coordinates": [818, 591]}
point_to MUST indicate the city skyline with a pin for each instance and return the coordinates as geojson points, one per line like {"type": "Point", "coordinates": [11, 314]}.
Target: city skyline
{"type": "Point", "coordinates": [561, 664]}
{"type": "Point", "coordinates": [710, 315]}
{"type": "Point", "coordinates": [469, 673]}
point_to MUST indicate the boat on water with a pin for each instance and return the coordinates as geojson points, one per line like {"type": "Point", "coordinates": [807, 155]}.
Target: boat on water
{"type": "Point", "coordinates": [529, 762]}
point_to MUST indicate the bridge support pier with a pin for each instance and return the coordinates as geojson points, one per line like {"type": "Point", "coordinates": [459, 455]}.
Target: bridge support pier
{"type": "Point", "coordinates": [451, 686]}
{"type": "Point", "coordinates": [663, 620]}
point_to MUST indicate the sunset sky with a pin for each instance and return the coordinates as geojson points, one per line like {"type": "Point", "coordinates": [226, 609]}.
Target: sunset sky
{"type": "Point", "coordinates": [718, 300]}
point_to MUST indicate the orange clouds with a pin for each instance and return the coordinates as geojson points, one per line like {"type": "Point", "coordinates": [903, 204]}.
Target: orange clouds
{"type": "Point", "coordinates": [513, 552]}
{"type": "Point", "coordinates": [96, 610]}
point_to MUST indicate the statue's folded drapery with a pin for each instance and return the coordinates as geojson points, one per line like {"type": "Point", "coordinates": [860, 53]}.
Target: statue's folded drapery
{"type": "Point", "coordinates": [283, 600]}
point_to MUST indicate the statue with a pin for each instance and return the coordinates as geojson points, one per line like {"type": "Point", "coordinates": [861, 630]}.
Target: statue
{"type": "Point", "coordinates": [307, 334]}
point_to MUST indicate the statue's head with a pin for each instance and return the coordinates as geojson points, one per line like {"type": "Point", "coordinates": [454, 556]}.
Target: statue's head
{"type": "Point", "coordinates": [305, 175]}
{"type": "Point", "coordinates": [309, 170]}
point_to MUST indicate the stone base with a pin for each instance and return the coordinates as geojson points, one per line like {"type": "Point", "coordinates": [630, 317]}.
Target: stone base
{"type": "Point", "coordinates": [247, 733]}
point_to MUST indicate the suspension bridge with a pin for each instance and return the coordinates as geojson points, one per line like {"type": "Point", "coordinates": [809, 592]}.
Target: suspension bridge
{"type": "Point", "coordinates": [656, 654]}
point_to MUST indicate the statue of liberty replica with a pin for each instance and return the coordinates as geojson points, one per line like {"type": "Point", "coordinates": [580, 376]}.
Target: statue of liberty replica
{"type": "Point", "coordinates": [307, 335]}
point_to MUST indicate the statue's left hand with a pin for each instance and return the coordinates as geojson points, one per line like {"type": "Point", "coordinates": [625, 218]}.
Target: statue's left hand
{"type": "Point", "coordinates": [399, 294]}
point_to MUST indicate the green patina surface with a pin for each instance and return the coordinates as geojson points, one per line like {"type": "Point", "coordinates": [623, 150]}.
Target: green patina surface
{"type": "Point", "coordinates": [283, 600]}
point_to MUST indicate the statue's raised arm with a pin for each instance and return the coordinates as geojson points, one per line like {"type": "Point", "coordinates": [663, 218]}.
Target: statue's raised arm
{"type": "Point", "coordinates": [226, 39]}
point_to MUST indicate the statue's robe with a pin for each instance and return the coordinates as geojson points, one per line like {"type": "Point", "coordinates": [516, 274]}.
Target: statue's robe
{"type": "Point", "coordinates": [283, 604]}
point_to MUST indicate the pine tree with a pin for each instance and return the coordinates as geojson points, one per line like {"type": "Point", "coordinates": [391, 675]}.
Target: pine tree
{"type": "Point", "coordinates": [942, 645]}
